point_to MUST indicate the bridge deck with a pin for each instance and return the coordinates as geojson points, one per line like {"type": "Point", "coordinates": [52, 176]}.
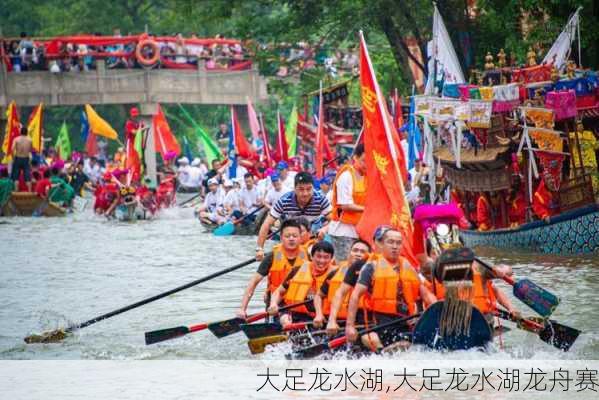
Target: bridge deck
{"type": "Point", "coordinates": [127, 86]}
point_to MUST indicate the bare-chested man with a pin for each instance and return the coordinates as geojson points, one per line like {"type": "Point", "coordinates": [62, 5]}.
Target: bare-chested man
{"type": "Point", "coordinates": [21, 151]}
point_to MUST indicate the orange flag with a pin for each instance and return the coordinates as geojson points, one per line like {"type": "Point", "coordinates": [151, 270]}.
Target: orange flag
{"type": "Point", "coordinates": [385, 198]}
{"type": "Point", "coordinates": [164, 140]}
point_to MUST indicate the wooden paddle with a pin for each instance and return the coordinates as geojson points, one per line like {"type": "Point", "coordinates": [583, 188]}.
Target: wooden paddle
{"type": "Point", "coordinates": [531, 294]}
{"type": "Point", "coordinates": [59, 334]}
{"type": "Point", "coordinates": [228, 228]}
{"type": "Point", "coordinates": [190, 199]}
{"type": "Point", "coordinates": [549, 331]}
{"type": "Point", "coordinates": [313, 351]}
{"type": "Point", "coordinates": [255, 331]}
{"type": "Point", "coordinates": [162, 335]}
{"type": "Point", "coordinates": [230, 326]}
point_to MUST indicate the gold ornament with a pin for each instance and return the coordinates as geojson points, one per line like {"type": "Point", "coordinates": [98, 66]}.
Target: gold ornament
{"type": "Point", "coordinates": [489, 61]}
{"type": "Point", "coordinates": [531, 57]}
{"type": "Point", "coordinates": [501, 59]}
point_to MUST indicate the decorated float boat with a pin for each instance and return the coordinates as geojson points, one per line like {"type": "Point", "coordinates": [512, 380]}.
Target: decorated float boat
{"type": "Point", "coordinates": [28, 204]}
{"type": "Point", "coordinates": [517, 146]}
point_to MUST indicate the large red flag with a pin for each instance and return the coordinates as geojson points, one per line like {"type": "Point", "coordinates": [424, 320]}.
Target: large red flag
{"type": "Point", "coordinates": [320, 139]}
{"type": "Point", "coordinates": [164, 140]}
{"type": "Point", "coordinates": [385, 198]}
{"type": "Point", "coordinates": [282, 148]}
{"type": "Point", "coordinates": [242, 146]}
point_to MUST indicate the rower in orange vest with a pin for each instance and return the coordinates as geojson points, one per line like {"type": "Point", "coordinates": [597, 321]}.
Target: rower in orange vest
{"type": "Point", "coordinates": [484, 217]}
{"type": "Point", "coordinates": [303, 283]}
{"type": "Point", "coordinates": [544, 202]}
{"type": "Point", "coordinates": [327, 303]}
{"type": "Point", "coordinates": [392, 289]}
{"type": "Point", "coordinates": [285, 257]}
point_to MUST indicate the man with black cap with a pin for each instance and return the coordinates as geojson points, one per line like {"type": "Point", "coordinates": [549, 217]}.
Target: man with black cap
{"type": "Point", "coordinates": [303, 201]}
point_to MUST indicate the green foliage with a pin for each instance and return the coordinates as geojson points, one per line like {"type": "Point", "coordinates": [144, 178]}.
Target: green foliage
{"type": "Point", "coordinates": [330, 25]}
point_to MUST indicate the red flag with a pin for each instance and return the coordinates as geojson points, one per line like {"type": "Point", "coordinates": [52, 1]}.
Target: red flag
{"type": "Point", "coordinates": [266, 146]}
{"type": "Point", "coordinates": [132, 161]}
{"type": "Point", "coordinates": [242, 146]}
{"type": "Point", "coordinates": [385, 199]}
{"type": "Point", "coordinates": [282, 148]}
{"type": "Point", "coordinates": [13, 130]}
{"type": "Point", "coordinates": [164, 140]}
{"type": "Point", "coordinates": [91, 146]}
{"type": "Point", "coordinates": [320, 139]}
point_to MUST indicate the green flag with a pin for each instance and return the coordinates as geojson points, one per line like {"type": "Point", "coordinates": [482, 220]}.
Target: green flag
{"type": "Point", "coordinates": [63, 143]}
{"type": "Point", "coordinates": [291, 133]}
{"type": "Point", "coordinates": [139, 135]}
{"type": "Point", "coordinates": [210, 147]}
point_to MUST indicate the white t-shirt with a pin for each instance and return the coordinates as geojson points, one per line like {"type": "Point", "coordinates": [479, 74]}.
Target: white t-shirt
{"type": "Point", "coordinates": [194, 177]}
{"type": "Point", "coordinates": [249, 198]}
{"type": "Point", "coordinates": [232, 200]}
{"type": "Point", "coordinates": [213, 200]}
{"type": "Point", "coordinates": [272, 196]}
{"type": "Point", "coordinates": [345, 189]}
{"type": "Point", "coordinates": [93, 173]}
{"type": "Point", "coordinates": [183, 175]}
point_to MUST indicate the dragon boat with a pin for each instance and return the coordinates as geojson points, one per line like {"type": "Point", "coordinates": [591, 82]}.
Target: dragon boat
{"type": "Point", "coordinates": [28, 204]}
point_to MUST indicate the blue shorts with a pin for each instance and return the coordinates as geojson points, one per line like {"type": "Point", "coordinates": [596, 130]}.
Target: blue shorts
{"type": "Point", "coordinates": [21, 164]}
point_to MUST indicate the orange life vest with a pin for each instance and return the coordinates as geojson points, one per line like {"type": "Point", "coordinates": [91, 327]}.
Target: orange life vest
{"type": "Point", "coordinates": [281, 267]}
{"type": "Point", "coordinates": [483, 296]}
{"type": "Point", "coordinates": [308, 246]}
{"type": "Point", "coordinates": [334, 285]}
{"type": "Point", "coordinates": [358, 195]}
{"type": "Point", "coordinates": [303, 284]}
{"type": "Point", "coordinates": [386, 281]}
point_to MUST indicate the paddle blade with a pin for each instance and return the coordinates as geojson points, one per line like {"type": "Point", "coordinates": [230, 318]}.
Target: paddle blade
{"type": "Point", "coordinates": [258, 345]}
{"type": "Point", "coordinates": [226, 328]}
{"type": "Point", "coordinates": [166, 334]}
{"type": "Point", "coordinates": [309, 352]}
{"type": "Point", "coordinates": [537, 298]}
{"type": "Point", "coordinates": [47, 337]}
{"type": "Point", "coordinates": [558, 335]}
{"type": "Point", "coordinates": [226, 229]}
{"type": "Point", "coordinates": [254, 331]}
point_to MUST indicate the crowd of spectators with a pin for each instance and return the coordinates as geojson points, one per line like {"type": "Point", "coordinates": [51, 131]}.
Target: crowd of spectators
{"type": "Point", "coordinates": [26, 54]}
{"type": "Point", "coordinates": [294, 58]}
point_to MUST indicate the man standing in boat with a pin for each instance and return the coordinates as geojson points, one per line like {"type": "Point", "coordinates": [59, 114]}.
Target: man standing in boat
{"type": "Point", "coordinates": [348, 198]}
{"type": "Point", "coordinates": [287, 255]}
{"type": "Point", "coordinates": [21, 148]}
{"type": "Point", "coordinates": [303, 201]}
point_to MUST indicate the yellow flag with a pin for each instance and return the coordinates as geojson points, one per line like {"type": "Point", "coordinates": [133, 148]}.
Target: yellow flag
{"type": "Point", "coordinates": [99, 126]}
{"type": "Point", "coordinates": [34, 128]}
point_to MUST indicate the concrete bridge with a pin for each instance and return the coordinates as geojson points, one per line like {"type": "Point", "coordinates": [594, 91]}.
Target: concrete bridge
{"type": "Point", "coordinates": [146, 88]}
{"type": "Point", "coordinates": [131, 86]}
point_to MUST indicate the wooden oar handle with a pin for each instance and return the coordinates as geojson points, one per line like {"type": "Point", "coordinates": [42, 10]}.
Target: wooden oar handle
{"type": "Point", "coordinates": [198, 327]}
{"type": "Point", "coordinates": [333, 344]}
{"type": "Point", "coordinates": [506, 278]}
{"type": "Point", "coordinates": [507, 315]}
{"type": "Point", "coordinates": [256, 317]}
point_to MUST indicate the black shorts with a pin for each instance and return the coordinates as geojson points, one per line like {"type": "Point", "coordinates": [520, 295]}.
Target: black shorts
{"type": "Point", "coordinates": [21, 164]}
